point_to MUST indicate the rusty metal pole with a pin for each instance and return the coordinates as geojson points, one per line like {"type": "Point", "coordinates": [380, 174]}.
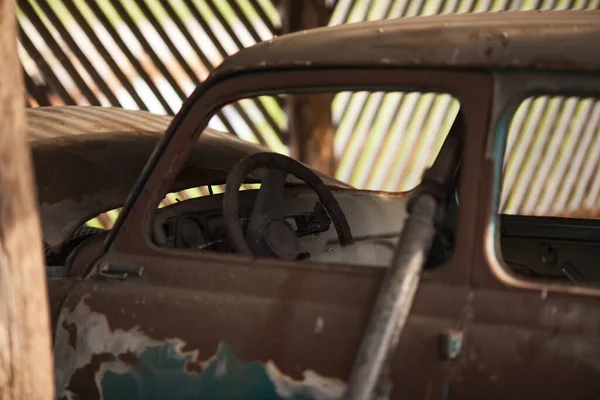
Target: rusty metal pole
{"type": "Point", "coordinates": [370, 373]}
{"type": "Point", "coordinates": [25, 344]}
{"type": "Point", "coordinates": [310, 126]}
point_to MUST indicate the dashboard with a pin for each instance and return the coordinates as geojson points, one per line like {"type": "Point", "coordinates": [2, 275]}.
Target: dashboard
{"type": "Point", "coordinates": [375, 218]}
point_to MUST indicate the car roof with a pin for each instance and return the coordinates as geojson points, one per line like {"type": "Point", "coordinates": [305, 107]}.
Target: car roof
{"type": "Point", "coordinates": [548, 40]}
{"type": "Point", "coordinates": [87, 159]}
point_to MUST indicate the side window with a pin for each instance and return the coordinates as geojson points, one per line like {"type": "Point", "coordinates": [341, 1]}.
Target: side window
{"type": "Point", "coordinates": [550, 198]}
{"type": "Point", "coordinates": [107, 219]}
{"type": "Point", "coordinates": [381, 141]}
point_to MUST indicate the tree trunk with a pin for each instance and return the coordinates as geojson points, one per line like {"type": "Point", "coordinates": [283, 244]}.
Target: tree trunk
{"type": "Point", "coordinates": [310, 126]}
{"type": "Point", "coordinates": [312, 131]}
{"type": "Point", "coordinates": [25, 345]}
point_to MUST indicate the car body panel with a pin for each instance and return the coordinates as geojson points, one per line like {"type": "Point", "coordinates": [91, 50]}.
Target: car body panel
{"type": "Point", "coordinates": [299, 327]}
{"type": "Point", "coordinates": [537, 40]}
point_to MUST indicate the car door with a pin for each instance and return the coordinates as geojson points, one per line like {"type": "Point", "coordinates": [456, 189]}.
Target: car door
{"type": "Point", "coordinates": [152, 322]}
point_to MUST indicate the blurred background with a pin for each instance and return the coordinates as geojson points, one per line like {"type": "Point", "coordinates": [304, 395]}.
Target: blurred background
{"type": "Point", "coordinates": [150, 55]}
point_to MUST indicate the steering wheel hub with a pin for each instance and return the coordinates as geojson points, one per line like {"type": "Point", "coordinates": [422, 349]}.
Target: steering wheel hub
{"type": "Point", "coordinates": [281, 239]}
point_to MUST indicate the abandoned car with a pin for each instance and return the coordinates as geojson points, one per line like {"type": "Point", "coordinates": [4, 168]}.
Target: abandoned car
{"type": "Point", "coordinates": [307, 288]}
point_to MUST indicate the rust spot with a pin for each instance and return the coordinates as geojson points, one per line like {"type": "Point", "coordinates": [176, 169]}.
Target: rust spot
{"type": "Point", "coordinates": [557, 62]}
{"type": "Point", "coordinates": [193, 367]}
{"type": "Point", "coordinates": [72, 330]}
{"type": "Point", "coordinates": [129, 358]}
{"type": "Point", "coordinates": [504, 41]}
{"type": "Point", "coordinates": [488, 52]}
{"type": "Point", "coordinates": [83, 380]}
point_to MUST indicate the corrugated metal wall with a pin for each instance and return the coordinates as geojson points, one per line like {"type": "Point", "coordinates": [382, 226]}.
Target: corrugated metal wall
{"type": "Point", "coordinates": [150, 54]}
{"type": "Point", "coordinates": [552, 161]}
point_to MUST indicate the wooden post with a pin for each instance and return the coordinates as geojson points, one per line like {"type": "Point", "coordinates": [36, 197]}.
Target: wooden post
{"type": "Point", "coordinates": [310, 127]}
{"type": "Point", "coordinates": [25, 345]}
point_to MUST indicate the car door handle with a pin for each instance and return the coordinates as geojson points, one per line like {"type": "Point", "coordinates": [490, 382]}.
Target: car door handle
{"type": "Point", "coordinates": [120, 272]}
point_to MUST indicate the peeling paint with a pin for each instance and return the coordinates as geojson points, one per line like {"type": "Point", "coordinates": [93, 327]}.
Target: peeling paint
{"type": "Point", "coordinates": [313, 386]}
{"type": "Point", "coordinates": [139, 367]}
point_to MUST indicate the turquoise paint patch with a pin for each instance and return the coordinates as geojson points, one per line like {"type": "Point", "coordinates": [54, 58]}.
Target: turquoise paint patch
{"type": "Point", "coordinates": [160, 373]}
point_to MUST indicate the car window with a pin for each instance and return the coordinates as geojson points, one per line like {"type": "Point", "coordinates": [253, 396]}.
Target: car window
{"type": "Point", "coordinates": [549, 213]}
{"type": "Point", "coordinates": [378, 142]}
{"type": "Point", "coordinates": [107, 219]}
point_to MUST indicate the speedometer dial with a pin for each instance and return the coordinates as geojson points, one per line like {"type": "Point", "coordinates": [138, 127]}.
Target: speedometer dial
{"type": "Point", "coordinates": [191, 233]}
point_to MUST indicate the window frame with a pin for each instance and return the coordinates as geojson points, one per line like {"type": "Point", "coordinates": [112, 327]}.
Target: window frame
{"type": "Point", "coordinates": [511, 89]}
{"type": "Point", "coordinates": [130, 239]}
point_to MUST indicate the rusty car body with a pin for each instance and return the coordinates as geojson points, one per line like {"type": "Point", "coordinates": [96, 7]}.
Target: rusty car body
{"type": "Point", "coordinates": [136, 317]}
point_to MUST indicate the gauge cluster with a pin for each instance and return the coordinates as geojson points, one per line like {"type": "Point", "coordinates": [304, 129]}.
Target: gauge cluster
{"type": "Point", "coordinates": [202, 230]}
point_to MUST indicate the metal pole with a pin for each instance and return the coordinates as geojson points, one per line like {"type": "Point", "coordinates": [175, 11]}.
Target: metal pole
{"type": "Point", "coordinates": [395, 299]}
{"type": "Point", "coordinates": [400, 283]}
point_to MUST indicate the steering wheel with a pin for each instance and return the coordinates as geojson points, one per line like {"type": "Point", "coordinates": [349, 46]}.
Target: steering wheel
{"type": "Point", "coordinates": [268, 233]}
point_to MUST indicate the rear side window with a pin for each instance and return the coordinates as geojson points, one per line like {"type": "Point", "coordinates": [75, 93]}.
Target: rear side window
{"type": "Point", "coordinates": [549, 213]}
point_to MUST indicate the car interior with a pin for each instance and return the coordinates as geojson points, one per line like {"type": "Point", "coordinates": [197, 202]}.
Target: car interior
{"type": "Point", "coordinates": [541, 248]}
{"type": "Point", "coordinates": [306, 230]}
{"type": "Point", "coordinates": [552, 248]}
{"type": "Point", "coordinates": [546, 248]}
